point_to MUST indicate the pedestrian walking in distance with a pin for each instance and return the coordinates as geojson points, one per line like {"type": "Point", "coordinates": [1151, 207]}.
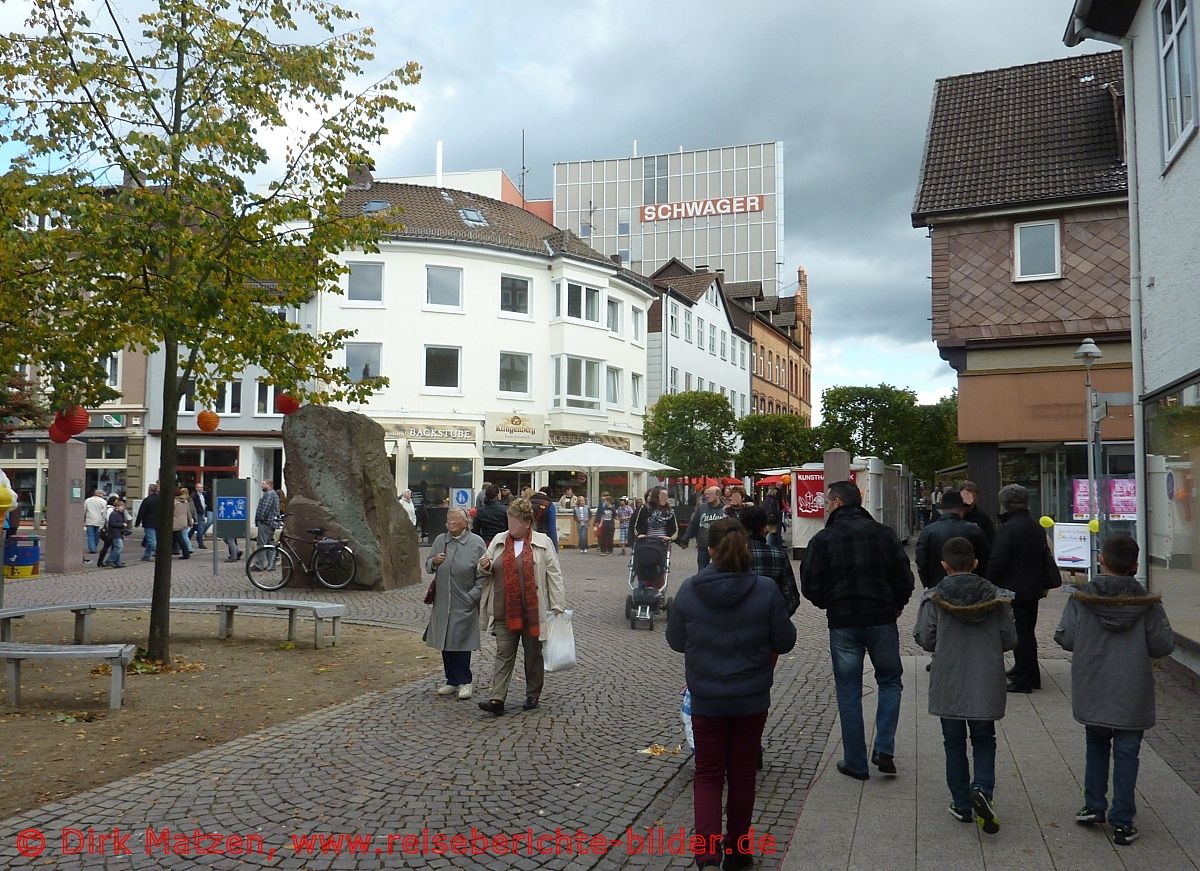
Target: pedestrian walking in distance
{"type": "Point", "coordinates": [730, 624]}
{"type": "Point", "coordinates": [966, 622]}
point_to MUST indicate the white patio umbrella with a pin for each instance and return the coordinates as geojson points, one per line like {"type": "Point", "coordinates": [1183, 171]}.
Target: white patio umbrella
{"type": "Point", "coordinates": [590, 456]}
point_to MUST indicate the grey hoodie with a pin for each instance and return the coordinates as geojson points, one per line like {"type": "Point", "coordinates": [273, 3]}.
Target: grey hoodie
{"type": "Point", "coordinates": [1114, 628]}
{"type": "Point", "coordinates": [966, 622]}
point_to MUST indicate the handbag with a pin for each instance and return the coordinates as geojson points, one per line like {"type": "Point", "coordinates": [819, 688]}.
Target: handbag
{"type": "Point", "coordinates": [1052, 576]}
{"type": "Point", "coordinates": [431, 593]}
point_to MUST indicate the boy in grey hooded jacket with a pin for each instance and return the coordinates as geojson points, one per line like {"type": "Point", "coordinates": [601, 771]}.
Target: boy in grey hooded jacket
{"type": "Point", "coordinates": [966, 622]}
{"type": "Point", "coordinates": [1113, 628]}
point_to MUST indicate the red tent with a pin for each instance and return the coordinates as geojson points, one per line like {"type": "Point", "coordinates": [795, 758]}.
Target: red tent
{"type": "Point", "coordinates": [769, 481]}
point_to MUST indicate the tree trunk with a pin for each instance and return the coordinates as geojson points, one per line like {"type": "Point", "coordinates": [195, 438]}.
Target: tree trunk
{"type": "Point", "coordinates": [159, 645]}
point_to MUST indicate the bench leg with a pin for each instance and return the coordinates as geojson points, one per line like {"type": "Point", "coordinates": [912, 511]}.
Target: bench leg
{"type": "Point", "coordinates": [116, 692]}
{"type": "Point", "coordinates": [83, 626]}
{"type": "Point", "coordinates": [225, 627]}
{"type": "Point", "coordinates": [13, 671]}
{"type": "Point", "coordinates": [337, 630]}
{"type": "Point", "coordinates": [317, 632]}
{"type": "Point", "coordinates": [291, 624]}
{"type": "Point", "coordinates": [6, 629]}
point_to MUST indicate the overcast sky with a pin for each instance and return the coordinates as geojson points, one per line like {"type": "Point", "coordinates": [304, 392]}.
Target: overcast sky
{"type": "Point", "coordinates": [846, 87]}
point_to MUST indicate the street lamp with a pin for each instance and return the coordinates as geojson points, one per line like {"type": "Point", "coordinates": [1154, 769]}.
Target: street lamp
{"type": "Point", "coordinates": [1088, 353]}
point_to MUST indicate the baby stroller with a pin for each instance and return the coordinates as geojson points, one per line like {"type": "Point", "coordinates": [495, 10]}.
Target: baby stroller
{"type": "Point", "coordinates": [649, 569]}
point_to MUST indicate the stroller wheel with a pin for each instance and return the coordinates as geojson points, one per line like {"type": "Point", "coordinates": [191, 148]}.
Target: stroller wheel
{"type": "Point", "coordinates": [628, 607]}
{"type": "Point", "coordinates": [669, 603]}
{"type": "Point", "coordinates": [633, 623]}
{"type": "Point", "coordinates": [651, 624]}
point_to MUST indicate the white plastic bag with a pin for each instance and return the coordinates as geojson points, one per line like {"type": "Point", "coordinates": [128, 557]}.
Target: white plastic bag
{"type": "Point", "coordinates": [685, 714]}
{"type": "Point", "coordinates": [558, 641]}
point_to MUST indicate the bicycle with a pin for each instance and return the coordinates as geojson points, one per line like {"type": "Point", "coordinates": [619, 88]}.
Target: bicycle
{"type": "Point", "coordinates": [331, 561]}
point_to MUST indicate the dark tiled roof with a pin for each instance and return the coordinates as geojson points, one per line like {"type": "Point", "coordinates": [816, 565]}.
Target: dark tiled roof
{"type": "Point", "coordinates": [784, 319]}
{"type": "Point", "coordinates": [433, 213]}
{"type": "Point", "coordinates": [1043, 131]}
{"type": "Point", "coordinates": [741, 318]}
{"type": "Point", "coordinates": [692, 286]}
{"type": "Point", "coordinates": [743, 289]}
{"type": "Point", "coordinates": [770, 303]}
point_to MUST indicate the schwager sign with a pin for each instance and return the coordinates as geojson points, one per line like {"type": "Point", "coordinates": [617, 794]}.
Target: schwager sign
{"type": "Point", "coordinates": [703, 208]}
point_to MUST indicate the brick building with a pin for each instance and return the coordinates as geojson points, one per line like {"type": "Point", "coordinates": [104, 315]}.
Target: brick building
{"type": "Point", "coordinates": [1023, 192]}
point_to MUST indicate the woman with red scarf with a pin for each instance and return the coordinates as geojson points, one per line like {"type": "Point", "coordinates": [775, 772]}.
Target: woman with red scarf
{"type": "Point", "coordinates": [522, 581]}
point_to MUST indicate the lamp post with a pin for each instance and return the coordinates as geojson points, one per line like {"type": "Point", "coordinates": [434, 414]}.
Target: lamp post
{"type": "Point", "coordinates": [1088, 353]}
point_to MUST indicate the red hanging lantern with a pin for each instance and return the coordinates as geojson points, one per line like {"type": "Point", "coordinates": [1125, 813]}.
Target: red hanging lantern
{"type": "Point", "coordinates": [73, 421]}
{"type": "Point", "coordinates": [57, 435]}
{"type": "Point", "coordinates": [286, 404]}
{"type": "Point", "coordinates": [786, 479]}
{"type": "Point", "coordinates": [208, 421]}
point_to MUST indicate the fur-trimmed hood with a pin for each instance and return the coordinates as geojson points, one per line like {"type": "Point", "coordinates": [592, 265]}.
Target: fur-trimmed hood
{"type": "Point", "coordinates": [1116, 601]}
{"type": "Point", "coordinates": [969, 598]}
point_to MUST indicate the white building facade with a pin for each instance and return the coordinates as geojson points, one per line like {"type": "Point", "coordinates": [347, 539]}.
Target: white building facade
{"type": "Point", "coordinates": [501, 337]}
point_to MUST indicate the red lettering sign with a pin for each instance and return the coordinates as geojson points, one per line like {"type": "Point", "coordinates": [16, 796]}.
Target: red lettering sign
{"type": "Point", "coordinates": [703, 208]}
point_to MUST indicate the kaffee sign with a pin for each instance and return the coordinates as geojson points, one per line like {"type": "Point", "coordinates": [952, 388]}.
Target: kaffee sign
{"type": "Point", "coordinates": [703, 208]}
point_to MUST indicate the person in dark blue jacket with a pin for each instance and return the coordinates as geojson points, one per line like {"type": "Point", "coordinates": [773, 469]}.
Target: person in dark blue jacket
{"type": "Point", "coordinates": [729, 623]}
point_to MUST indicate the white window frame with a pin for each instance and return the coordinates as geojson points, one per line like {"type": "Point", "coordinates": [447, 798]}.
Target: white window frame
{"type": "Point", "coordinates": [347, 302]}
{"type": "Point", "coordinates": [186, 398]}
{"type": "Point", "coordinates": [379, 345]}
{"type": "Point", "coordinates": [436, 390]}
{"type": "Point", "coordinates": [673, 318]}
{"type": "Point", "coordinates": [687, 325]}
{"type": "Point", "coordinates": [712, 339]}
{"type": "Point", "coordinates": [1016, 265]}
{"type": "Point", "coordinates": [742, 352]}
{"type": "Point", "coordinates": [700, 333]}
{"type": "Point", "coordinates": [673, 384]}
{"type": "Point", "coordinates": [636, 394]}
{"type": "Point", "coordinates": [527, 393]}
{"type": "Point", "coordinates": [584, 402]}
{"type": "Point", "coordinates": [270, 404]}
{"type": "Point", "coordinates": [610, 305]}
{"type": "Point", "coordinates": [526, 315]}
{"type": "Point", "coordinates": [585, 290]}
{"type": "Point", "coordinates": [1176, 48]}
{"type": "Point", "coordinates": [724, 340]}
{"type": "Point", "coordinates": [437, 307]}
{"type": "Point", "coordinates": [223, 408]}
{"type": "Point", "coordinates": [638, 316]}
{"type": "Point", "coordinates": [613, 377]}
{"type": "Point", "coordinates": [699, 383]}
{"type": "Point", "coordinates": [687, 382]}
{"type": "Point", "coordinates": [112, 370]}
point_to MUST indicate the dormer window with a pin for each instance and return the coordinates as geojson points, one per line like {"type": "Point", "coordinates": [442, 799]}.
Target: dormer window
{"type": "Point", "coordinates": [473, 217]}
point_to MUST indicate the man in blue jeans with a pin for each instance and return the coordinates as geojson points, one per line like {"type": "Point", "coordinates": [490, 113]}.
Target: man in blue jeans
{"type": "Point", "coordinates": [857, 572]}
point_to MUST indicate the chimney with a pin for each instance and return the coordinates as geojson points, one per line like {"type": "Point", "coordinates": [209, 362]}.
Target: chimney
{"type": "Point", "coordinates": [616, 258]}
{"type": "Point", "coordinates": [130, 179]}
{"type": "Point", "coordinates": [360, 176]}
{"type": "Point", "coordinates": [437, 161]}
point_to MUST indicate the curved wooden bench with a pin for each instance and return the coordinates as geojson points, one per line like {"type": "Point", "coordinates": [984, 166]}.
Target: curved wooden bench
{"type": "Point", "coordinates": [226, 607]}
{"type": "Point", "coordinates": [116, 655]}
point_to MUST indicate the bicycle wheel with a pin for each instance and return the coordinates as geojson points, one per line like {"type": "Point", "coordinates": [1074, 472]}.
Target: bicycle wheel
{"type": "Point", "coordinates": [278, 567]}
{"type": "Point", "coordinates": [336, 569]}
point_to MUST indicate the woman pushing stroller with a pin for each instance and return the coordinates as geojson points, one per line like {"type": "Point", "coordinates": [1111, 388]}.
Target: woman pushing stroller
{"type": "Point", "coordinates": [654, 527]}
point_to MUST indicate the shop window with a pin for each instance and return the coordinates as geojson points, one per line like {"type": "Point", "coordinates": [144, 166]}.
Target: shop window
{"type": "Point", "coordinates": [105, 450]}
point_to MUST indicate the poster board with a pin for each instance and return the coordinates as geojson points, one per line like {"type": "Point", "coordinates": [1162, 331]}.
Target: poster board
{"type": "Point", "coordinates": [1072, 546]}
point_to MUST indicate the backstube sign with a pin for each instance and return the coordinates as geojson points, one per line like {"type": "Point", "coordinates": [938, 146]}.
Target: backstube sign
{"type": "Point", "coordinates": [703, 208]}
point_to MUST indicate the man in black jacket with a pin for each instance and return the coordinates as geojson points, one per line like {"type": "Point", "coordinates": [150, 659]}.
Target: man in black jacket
{"type": "Point", "coordinates": [147, 516]}
{"type": "Point", "coordinates": [857, 571]}
{"type": "Point", "coordinates": [970, 493]}
{"type": "Point", "coordinates": [1020, 562]}
{"type": "Point", "coordinates": [492, 518]}
{"type": "Point", "coordinates": [934, 536]}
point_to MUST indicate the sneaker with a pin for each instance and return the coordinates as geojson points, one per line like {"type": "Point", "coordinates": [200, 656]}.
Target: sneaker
{"type": "Point", "coordinates": [984, 814]}
{"type": "Point", "coordinates": [464, 691]}
{"type": "Point", "coordinates": [963, 816]}
{"type": "Point", "coordinates": [884, 762]}
{"type": "Point", "coordinates": [1124, 835]}
{"type": "Point", "coordinates": [446, 690]}
{"type": "Point", "coordinates": [1088, 815]}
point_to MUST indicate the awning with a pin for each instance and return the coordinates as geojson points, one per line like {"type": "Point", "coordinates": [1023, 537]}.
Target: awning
{"type": "Point", "coordinates": [444, 450]}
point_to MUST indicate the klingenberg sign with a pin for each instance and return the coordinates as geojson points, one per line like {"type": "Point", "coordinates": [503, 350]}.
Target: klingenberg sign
{"type": "Point", "coordinates": [703, 208]}
{"type": "Point", "coordinates": [514, 428]}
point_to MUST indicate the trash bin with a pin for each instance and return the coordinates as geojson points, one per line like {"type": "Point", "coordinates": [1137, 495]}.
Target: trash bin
{"type": "Point", "coordinates": [22, 556]}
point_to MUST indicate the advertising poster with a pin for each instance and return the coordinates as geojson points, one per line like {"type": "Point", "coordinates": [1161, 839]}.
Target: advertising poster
{"type": "Point", "coordinates": [1072, 545]}
{"type": "Point", "coordinates": [1080, 510]}
{"type": "Point", "coordinates": [1122, 499]}
{"type": "Point", "coordinates": [810, 493]}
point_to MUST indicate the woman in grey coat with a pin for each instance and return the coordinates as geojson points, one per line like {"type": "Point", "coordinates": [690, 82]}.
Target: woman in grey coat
{"type": "Point", "coordinates": [454, 622]}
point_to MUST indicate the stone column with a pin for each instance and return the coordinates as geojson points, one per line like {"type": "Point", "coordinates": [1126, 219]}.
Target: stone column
{"type": "Point", "coordinates": [837, 466]}
{"type": "Point", "coordinates": [65, 539]}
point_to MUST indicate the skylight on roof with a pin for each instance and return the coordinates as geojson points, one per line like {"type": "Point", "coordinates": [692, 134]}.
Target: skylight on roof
{"type": "Point", "coordinates": [473, 217]}
{"type": "Point", "coordinates": [447, 197]}
{"type": "Point", "coordinates": [374, 206]}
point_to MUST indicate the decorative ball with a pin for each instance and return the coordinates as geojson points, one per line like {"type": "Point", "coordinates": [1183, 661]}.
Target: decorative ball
{"type": "Point", "coordinates": [208, 421]}
{"type": "Point", "coordinates": [286, 404]}
{"type": "Point", "coordinates": [786, 479]}
{"type": "Point", "coordinates": [1093, 526]}
{"type": "Point", "coordinates": [57, 435]}
{"type": "Point", "coordinates": [73, 421]}
{"type": "Point", "coordinates": [472, 512]}
{"type": "Point", "coordinates": [1046, 521]}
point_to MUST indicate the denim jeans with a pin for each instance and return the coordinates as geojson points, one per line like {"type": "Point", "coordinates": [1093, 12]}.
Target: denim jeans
{"type": "Point", "coordinates": [151, 542]}
{"type": "Point", "coordinates": [848, 647]}
{"type": "Point", "coordinates": [1125, 744]}
{"type": "Point", "coordinates": [983, 752]}
{"type": "Point", "coordinates": [203, 522]}
{"type": "Point", "coordinates": [93, 538]}
{"type": "Point", "coordinates": [118, 549]}
{"type": "Point", "coordinates": [583, 536]}
{"type": "Point", "coordinates": [702, 557]}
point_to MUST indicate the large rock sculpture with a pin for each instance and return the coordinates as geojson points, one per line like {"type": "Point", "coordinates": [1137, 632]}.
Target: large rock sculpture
{"type": "Point", "coordinates": [337, 476]}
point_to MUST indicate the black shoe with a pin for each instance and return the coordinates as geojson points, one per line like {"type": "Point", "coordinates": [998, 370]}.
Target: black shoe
{"type": "Point", "coordinates": [1124, 835]}
{"type": "Point", "coordinates": [736, 862]}
{"type": "Point", "coordinates": [1014, 688]}
{"type": "Point", "coordinates": [984, 813]}
{"type": "Point", "coordinates": [493, 706]}
{"type": "Point", "coordinates": [530, 704]}
{"type": "Point", "coordinates": [885, 763]}
{"type": "Point", "coordinates": [963, 816]}
{"type": "Point", "coordinates": [231, 559]}
{"type": "Point", "coordinates": [186, 556]}
{"type": "Point", "coordinates": [857, 775]}
{"type": "Point", "coordinates": [1089, 815]}
{"type": "Point", "coordinates": [1012, 672]}
{"type": "Point", "coordinates": [202, 546]}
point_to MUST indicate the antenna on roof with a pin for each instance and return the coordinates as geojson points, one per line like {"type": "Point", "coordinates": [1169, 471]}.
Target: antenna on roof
{"type": "Point", "coordinates": [524, 168]}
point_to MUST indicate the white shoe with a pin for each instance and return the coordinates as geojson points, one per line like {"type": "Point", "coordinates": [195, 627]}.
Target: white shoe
{"type": "Point", "coordinates": [464, 691]}
{"type": "Point", "coordinates": [446, 690]}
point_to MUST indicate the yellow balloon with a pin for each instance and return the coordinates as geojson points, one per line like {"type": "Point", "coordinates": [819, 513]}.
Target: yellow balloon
{"type": "Point", "coordinates": [1093, 525]}
{"type": "Point", "coordinates": [1046, 521]}
{"type": "Point", "coordinates": [7, 499]}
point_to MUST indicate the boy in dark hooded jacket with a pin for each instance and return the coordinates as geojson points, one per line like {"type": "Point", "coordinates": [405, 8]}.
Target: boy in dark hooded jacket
{"type": "Point", "coordinates": [1113, 628]}
{"type": "Point", "coordinates": [966, 622]}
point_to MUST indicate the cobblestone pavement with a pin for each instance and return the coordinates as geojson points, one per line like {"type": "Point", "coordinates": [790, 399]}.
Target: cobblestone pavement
{"type": "Point", "coordinates": [403, 760]}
